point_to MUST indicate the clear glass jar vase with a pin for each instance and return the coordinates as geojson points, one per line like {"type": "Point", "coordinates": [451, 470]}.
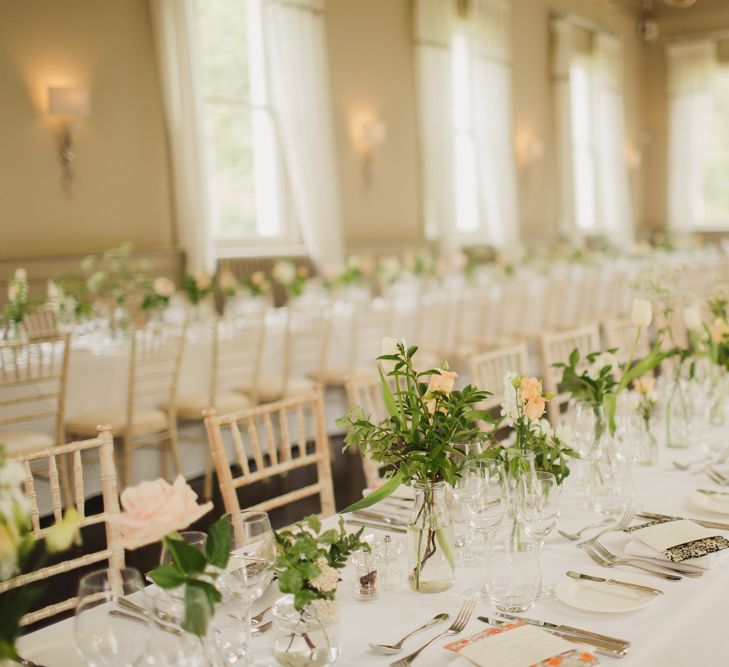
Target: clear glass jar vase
{"type": "Point", "coordinates": [677, 415]}
{"type": "Point", "coordinates": [431, 540]}
{"type": "Point", "coordinates": [307, 638]}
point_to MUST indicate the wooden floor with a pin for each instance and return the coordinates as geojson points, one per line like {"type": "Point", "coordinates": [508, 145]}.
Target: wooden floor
{"type": "Point", "coordinates": [348, 484]}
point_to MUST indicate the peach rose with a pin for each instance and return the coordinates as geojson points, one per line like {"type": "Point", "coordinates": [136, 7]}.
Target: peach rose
{"type": "Point", "coordinates": [719, 330]}
{"type": "Point", "coordinates": [443, 382]}
{"type": "Point", "coordinates": [534, 408]}
{"type": "Point", "coordinates": [530, 389]}
{"type": "Point", "coordinates": [155, 509]}
{"type": "Point", "coordinates": [203, 281]}
{"type": "Point", "coordinates": [164, 286]}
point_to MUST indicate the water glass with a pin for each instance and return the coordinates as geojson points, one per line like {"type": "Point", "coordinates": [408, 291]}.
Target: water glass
{"type": "Point", "coordinates": [465, 552]}
{"type": "Point", "coordinates": [538, 504]}
{"type": "Point", "coordinates": [254, 549]}
{"type": "Point", "coordinates": [104, 640]}
{"type": "Point", "coordinates": [613, 489]}
{"type": "Point", "coordinates": [193, 538]}
{"type": "Point", "coordinates": [513, 572]}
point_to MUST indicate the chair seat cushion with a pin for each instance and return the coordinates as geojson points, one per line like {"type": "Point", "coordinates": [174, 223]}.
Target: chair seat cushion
{"type": "Point", "coordinates": [26, 441]}
{"type": "Point", "coordinates": [146, 420]}
{"type": "Point", "coordinates": [191, 406]}
{"type": "Point", "coordinates": [271, 388]}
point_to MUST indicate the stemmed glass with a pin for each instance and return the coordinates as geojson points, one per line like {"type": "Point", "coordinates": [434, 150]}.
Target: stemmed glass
{"type": "Point", "coordinates": [537, 507]}
{"type": "Point", "coordinates": [485, 496]}
{"type": "Point", "coordinates": [193, 538]}
{"type": "Point", "coordinates": [254, 550]}
{"type": "Point", "coordinates": [464, 541]}
{"type": "Point", "coordinates": [105, 640]}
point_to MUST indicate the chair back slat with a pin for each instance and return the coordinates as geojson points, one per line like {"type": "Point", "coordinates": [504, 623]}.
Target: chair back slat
{"type": "Point", "coordinates": [240, 449]}
{"type": "Point", "coordinates": [307, 339]}
{"type": "Point", "coordinates": [488, 370]}
{"type": "Point", "coordinates": [237, 347]}
{"type": "Point", "coordinates": [556, 348]}
{"type": "Point", "coordinates": [275, 464]}
{"type": "Point", "coordinates": [42, 323]}
{"type": "Point", "coordinates": [45, 460]}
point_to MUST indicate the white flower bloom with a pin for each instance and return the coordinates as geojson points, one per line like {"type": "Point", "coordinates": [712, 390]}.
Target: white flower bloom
{"type": "Point", "coordinates": [642, 313]}
{"type": "Point", "coordinates": [96, 280]}
{"type": "Point", "coordinates": [12, 292]}
{"type": "Point", "coordinates": [692, 318]}
{"type": "Point", "coordinates": [324, 611]}
{"type": "Point", "coordinates": [21, 275]}
{"type": "Point", "coordinates": [328, 579]}
{"type": "Point", "coordinates": [509, 404]}
{"type": "Point", "coordinates": [284, 272]}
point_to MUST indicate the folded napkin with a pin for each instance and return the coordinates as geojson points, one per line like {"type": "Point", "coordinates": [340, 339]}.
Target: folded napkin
{"type": "Point", "coordinates": [520, 645]}
{"type": "Point", "coordinates": [678, 541]}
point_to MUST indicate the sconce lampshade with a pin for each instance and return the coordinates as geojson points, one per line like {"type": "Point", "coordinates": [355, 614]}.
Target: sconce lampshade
{"type": "Point", "coordinates": [68, 101]}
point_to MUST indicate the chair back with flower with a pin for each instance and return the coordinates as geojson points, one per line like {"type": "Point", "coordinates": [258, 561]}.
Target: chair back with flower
{"type": "Point", "coordinates": [41, 323]}
{"type": "Point", "coordinates": [33, 392]}
{"type": "Point", "coordinates": [488, 370]}
{"type": "Point", "coordinates": [86, 480]}
{"type": "Point", "coordinates": [367, 394]}
{"type": "Point", "coordinates": [149, 416]}
{"type": "Point", "coordinates": [268, 443]}
{"type": "Point", "coordinates": [556, 348]}
{"type": "Point", "coordinates": [619, 334]}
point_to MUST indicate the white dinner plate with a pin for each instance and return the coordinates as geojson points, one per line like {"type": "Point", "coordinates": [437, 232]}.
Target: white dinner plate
{"type": "Point", "coordinates": [59, 652]}
{"type": "Point", "coordinates": [602, 597]}
{"type": "Point", "coordinates": [714, 504]}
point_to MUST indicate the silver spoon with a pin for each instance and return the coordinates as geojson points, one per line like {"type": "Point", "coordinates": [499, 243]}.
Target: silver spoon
{"type": "Point", "coordinates": [390, 649]}
{"type": "Point", "coordinates": [578, 534]}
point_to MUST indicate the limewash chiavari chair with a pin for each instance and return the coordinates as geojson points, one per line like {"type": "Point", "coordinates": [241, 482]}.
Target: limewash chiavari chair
{"type": "Point", "coordinates": [367, 394]}
{"type": "Point", "coordinates": [148, 418]}
{"type": "Point", "coordinates": [620, 334]}
{"type": "Point", "coordinates": [304, 356]}
{"type": "Point", "coordinates": [269, 442]}
{"type": "Point", "coordinates": [470, 328]}
{"type": "Point", "coordinates": [431, 325]}
{"type": "Point", "coordinates": [556, 348]}
{"type": "Point", "coordinates": [33, 390]}
{"type": "Point", "coordinates": [112, 555]}
{"type": "Point", "coordinates": [488, 370]}
{"type": "Point", "coordinates": [236, 353]}
{"type": "Point", "coordinates": [41, 323]}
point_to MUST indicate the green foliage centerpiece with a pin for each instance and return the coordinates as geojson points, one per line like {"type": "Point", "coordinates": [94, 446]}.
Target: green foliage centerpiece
{"type": "Point", "coordinates": [427, 417]}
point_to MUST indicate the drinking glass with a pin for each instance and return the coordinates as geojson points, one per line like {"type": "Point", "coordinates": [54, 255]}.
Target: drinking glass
{"type": "Point", "coordinates": [193, 538]}
{"type": "Point", "coordinates": [513, 572]}
{"type": "Point", "coordinates": [485, 495]}
{"type": "Point", "coordinates": [104, 640]}
{"type": "Point", "coordinates": [613, 488]}
{"type": "Point", "coordinates": [254, 551]}
{"type": "Point", "coordinates": [465, 553]}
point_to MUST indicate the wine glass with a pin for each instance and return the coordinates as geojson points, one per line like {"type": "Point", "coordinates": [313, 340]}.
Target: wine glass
{"type": "Point", "coordinates": [464, 540]}
{"type": "Point", "coordinates": [485, 496]}
{"type": "Point", "coordinates": [254, 551]}
{"type": "Point", "coordinates": [537, 507]}
{"type": "Point", "coordinates": [102, 639]}
{"type": "Point", "coordinates": [193, 538]}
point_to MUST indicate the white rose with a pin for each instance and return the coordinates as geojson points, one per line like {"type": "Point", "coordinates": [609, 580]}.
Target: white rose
{"type": "Point", "coordinates": [642, 313]}
{"type": "Point", "coordinates": [284, 272]}
{"type": "Point", "coordinates": [692, 318]}
{"type": "Point", "coordinates": [53, 292]}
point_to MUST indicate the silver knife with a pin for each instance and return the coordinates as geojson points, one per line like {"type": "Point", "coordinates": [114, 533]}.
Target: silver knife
{"type": "Point", "coordinates": [569, 630]}
{"type": "Point", "coordinates": [701, 522]}
{"type": "Point", "coordinates": [610, 649]}
{"type": "Point", "coordinates": [614, 582]}
{"type": "Point", "coordinates": [380, 517]}
{"type": "Point", "coordinates": [377, 524]}
{"type": "Point", "coordinates": [713, 492]}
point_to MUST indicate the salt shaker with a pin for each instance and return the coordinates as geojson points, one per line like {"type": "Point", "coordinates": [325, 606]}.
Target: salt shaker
{"type": "Point", "coordinates": [390, 571]}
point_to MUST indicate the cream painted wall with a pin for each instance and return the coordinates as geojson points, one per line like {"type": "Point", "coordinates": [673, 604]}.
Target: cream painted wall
{"type": "Point", "coordinates": [372, 70]}
{"type": "Point", "coordinates": [705, 16]}
{"type": "Point", "coordinates": [122, 188]}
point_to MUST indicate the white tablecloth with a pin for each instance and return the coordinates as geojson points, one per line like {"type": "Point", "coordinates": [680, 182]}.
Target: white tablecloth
{"type": "Point", "coordinates": [686, 626]}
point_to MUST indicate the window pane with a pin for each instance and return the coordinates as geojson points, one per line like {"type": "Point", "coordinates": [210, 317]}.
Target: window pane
{"type": "Point", "coordinates": [716, 192]}
{"type": "Point", "coordinates": [583, 167]}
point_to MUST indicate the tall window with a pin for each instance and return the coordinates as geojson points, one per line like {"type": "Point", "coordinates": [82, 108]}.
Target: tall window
{"type": "Point", "coordinates": [247, 183]}
{"type": "Point", "coordinates": [583, 147]}
{"type": "Point", "coordinates": [715, 208]}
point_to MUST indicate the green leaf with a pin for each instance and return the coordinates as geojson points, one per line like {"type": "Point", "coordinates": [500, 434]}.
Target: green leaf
{"type": "Point", "coordinates": [167, 576]}
{"type": "Point", "coordinates": [445, 546]}
{"type": "Point", "coordinates": [218, 542]}
{"type": "Point", "coordinates": [198, 611]}
{"type": "Point", "coordinates": [609, 404]}
{"type": "Point", "coordinates": [377, 495]}
{"type": "Point", "coordinates": [291, 581]}
{"type": "Point", "coordinates": [314, 523]}
{"type": "Point", "coordinates": [187, 558]}
{"type": "Point", "coordinates": [387, 395]}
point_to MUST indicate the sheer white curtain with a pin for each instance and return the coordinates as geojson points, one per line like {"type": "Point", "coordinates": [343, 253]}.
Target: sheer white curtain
{"type": "Point", "coordinates": [173, 26]}
{"type": "Point", "coordinates": [690, 67]}
{"type": "Point", "coordinates": [464, 102]}
{"type": "Point", "coordinates": [563, 55]}
{"type": "Point", "coordinates": [492, 112]}
{"type": "Point", "coordinates": [614, 208]}
{"type": "Point", "coordinates": [433, 32]}
{"type": "Point", "coordinates": [302, 103]}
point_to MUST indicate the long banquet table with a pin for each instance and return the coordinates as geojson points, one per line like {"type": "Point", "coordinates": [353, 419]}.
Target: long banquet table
{"type": "Point", "coordinates": [685, 626]}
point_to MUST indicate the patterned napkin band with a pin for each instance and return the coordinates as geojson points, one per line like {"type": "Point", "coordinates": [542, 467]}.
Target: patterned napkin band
{"type": "Point", "coordinates": [693, 549]}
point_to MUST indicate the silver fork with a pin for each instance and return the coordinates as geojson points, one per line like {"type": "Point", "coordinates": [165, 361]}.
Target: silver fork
{"type": "Point", "coordinates": [589, 549]}
{"type": "Point", "coordinates": [688, 570]}
{"type": "Point", "coordinates": [578, 534]}
{"type": "Point", "coordinates": [460, 622]}
{"type": "Point", "coordinates": [622, 524]}
{"type": "Point", "coordinates": [716, 476]}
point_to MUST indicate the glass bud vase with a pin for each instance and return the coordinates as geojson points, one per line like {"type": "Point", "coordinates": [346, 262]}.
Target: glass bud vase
{"type": "Point", "coordinates": [307, 638]}
{"type": "Point", "coordinates": [677, 414]}
{"type": "Point", "coordinates": [431, 540]}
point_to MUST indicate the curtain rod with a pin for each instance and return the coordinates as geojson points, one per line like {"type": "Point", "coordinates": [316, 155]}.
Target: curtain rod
{"type": "Point", "coordinates": [582, 22]}
{"type": "Point", "coordinates": [711, 34]}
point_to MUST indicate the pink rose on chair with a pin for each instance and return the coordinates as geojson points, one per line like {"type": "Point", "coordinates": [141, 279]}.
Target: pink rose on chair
{"type": "Point", "coordinates": [152, 510]}
{"type": "Point", "coordinates": [443, 382]}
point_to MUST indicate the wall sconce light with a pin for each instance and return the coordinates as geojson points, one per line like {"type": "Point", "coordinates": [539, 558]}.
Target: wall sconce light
{"type": "Point", "coordinates": [68, 104]}
{"type": "Point", "coordinates": [529, 148]}
{"type": "Point", "coordinates": [368, 133]}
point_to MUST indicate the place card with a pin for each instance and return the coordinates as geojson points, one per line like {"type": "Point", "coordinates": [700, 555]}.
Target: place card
{"type": "Point", "coordinates": [520, 645]}
{"type": "Point", "coordinates": [681, 539]}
